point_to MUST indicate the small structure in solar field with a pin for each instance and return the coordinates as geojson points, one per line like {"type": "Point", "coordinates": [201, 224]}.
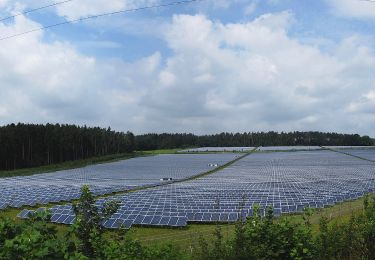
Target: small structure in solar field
{"type": "Point", "coordinates": [213, 165]}
{"type": "Point", "coordinates": [166, 179]}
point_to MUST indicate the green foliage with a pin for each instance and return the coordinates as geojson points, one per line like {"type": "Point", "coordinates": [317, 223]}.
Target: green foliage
{"type": "Point", "coordinates": [171, 141]}
{"type": "Point", "coordinates": [33, 239]}
{"type": "Point", "coordinates": [354, 239]}
{"type": "Point", "coordinates": [36, 239]}
{"type": "Point", "coordinates": [257, 237]}
{"type": "Point", "coordinates": [267, 238]}
{"type": "Point", "coordinates": [87, 227]}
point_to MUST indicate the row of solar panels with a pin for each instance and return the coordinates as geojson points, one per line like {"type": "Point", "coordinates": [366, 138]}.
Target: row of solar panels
{"type": "Point", "coordinates": [105, 178]}
{"type": "Point", "coordinates": [273, 148]}
{"type": "Point", "coordinates": [157, 220]}
{"type": "Point", "coordinates": [287, 181]}
{"type": "Point", "coordinates": [64, 215]}
{"type": "Point", "coordinates": [217, 149]}
{"type": "Point", "coordinates": [127, 219]}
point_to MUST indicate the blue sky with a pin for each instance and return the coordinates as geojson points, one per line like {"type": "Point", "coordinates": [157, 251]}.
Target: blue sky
{"type": "Point", "coordinates": [204, 67]}
{"type": "Point", "coordinates": [314, 19]}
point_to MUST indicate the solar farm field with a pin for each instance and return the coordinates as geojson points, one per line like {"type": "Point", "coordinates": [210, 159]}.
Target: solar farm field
{"type": "Point", "coordinates": [106, 178]}
{"type": "Point", "coordinates": [289, 182]}
{"type": "Point", "coordinates": [349, 147]}
{"type": "Point", "coordinates": [289, 148]}
{"type": "Point", "coordinates": [368, 154]}
{"type": "Point", "coordinates": [217, 149]}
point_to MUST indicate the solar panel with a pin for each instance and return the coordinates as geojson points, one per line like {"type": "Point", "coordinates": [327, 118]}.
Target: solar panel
{"type": "Point", "coordinates": [55, 217]}
{"type": "Point", "coordinates": [164, 221]}
{"type": "Point", "coordinates": [24, 214]}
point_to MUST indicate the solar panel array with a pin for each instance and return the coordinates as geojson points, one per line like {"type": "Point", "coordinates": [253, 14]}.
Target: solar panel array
{"type": "Point", "coordinates": [289, 148]}
{"type": "Point", "coordinates": [366, 153]}
{"type": "Point", "coordinates": [289, 182]}
{"type": "Point", "coordinates": [106, 178]}
{"type": "Point", "coordinates": [217, 149]}
{"type": "Point", "coordinates": [349, 147]}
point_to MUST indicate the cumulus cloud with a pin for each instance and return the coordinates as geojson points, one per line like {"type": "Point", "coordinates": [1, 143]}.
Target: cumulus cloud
{"type": "Point", "coordinates": [53, 82]}
{"type": "Point", "coordinates": [258, 77]}
{"type": "Point", "coordinates": [353, 8]}
{"type": "Point", "coordinates": [223, 77]}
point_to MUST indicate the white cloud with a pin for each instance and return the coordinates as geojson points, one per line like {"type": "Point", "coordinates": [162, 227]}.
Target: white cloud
{"type": "Point", "coordinates": [167, 78]}
{"type": "Point", "coordinates": [52, 82]}
{"type": "Point", "coordinates": [353, 8]}
{"type": "Point", "coordinates": [366, 104]}
{"type": "Point", "coordinates": [220, 77]}
{"type": "Point", "coordinates": [259, 77]}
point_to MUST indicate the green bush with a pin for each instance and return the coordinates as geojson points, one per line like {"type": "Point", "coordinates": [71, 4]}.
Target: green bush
{"type": "Point", "coordinates": [267, 238]}
{"type": "Point", "coordinates": [256, 237]}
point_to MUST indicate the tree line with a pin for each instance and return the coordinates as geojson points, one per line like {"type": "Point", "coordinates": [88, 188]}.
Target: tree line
{"type": "Point", "coordinates": [256, 237]}
{"type": "Point", "coordinates": [170, 141]}
{"type": "Point", "coordinates": [31, 145]}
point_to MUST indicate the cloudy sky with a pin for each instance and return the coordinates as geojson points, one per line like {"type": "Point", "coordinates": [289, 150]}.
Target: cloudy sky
{"type": "Point", "coordinates": [204, 67]}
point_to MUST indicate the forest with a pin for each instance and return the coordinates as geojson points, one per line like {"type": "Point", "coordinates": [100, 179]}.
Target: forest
{"type": "Point", "coordinates": [32, 145]}
{"type": "Point", "coordinates": [170, 141]}
{"type": "Point", "coordinates": [29, 145]}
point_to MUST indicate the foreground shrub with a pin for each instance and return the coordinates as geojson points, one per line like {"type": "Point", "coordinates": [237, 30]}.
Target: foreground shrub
{"type": "Point", "coordinates": [32, 239]}
{"type": "Point", "coordinates": [267, 238]}
{"type": "Point", "coordinates": [256, 237]}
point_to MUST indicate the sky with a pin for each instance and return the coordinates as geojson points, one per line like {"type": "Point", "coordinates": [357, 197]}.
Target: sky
{"type": "Point", "coordinates": [205, 67]}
